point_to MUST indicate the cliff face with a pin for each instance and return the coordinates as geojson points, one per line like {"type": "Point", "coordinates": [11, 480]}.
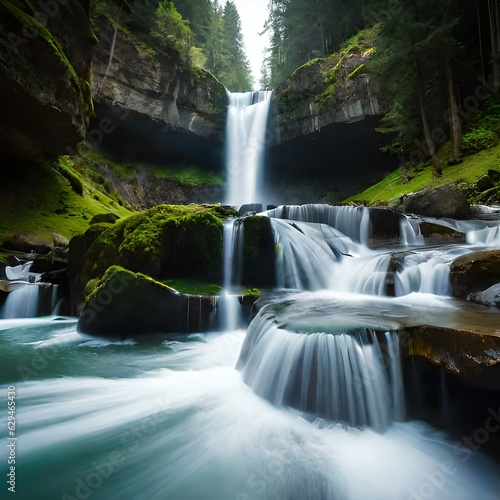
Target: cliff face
{"type": "Point", "coordinates": [45, 61]}
{"type": "Point", "coordinates": [154, 99]}
{"type": "Point", "coordinates": [327, 91]}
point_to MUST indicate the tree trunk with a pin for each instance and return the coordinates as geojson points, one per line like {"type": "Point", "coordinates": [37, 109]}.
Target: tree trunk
{"type": "Point", "coordinates": [455, 128]}
{"type": "Point", "coordinates": [425, 126]}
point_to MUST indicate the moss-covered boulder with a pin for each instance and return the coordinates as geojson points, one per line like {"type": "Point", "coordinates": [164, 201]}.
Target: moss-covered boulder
{"type": "Point", "coordinates": [474, 272]}
{"type": "Point", "coordinates": [164, 242]}
{"type": "Point", "coordinates": [126, 304]}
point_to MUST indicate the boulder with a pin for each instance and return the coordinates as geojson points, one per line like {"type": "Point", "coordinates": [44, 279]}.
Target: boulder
{"type": "Point", "coordinates": [474, 272]}
{"type": "Point", "coordinates": [27, 243]}
{"type": "Point", "coordinates": [164, 242]}
{"type": "Point", "coordinates": [126, 304]}
{"type": "Point", "coordinates": [109, 218]}
{"type": "Point", "coordinates": [489, 297]}
{"type": "Point", "coordinates": [60, 241]}
{"type": "Point", "coordinates": [443, 201]}
{"type": "Point", "coordinates": [439, 233]}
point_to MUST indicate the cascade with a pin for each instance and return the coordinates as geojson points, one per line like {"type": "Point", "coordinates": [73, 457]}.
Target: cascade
{"type": "Point", "coordinates": [304, 260]}
{"type": "Point", "coordinates": [22, 303]}
{"type": "Point", "coordinates": [354, 222]}
{"type": "Point", "coordinates": [348, 375]}
{"type": "Point", "coordinates": [246, 140]}
{"type": "Point", "coordinates": [229, 305]}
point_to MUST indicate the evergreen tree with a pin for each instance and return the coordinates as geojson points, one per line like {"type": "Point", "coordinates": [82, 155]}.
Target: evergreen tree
{"type": "Point", "coordinates": [233, 68]}
{"type": "Point", "coordinates": [416, 68]}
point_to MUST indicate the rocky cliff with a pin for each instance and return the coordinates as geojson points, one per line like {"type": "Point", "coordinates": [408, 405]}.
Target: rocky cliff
{"type": "Point", "coordinates": [152, 106]}
{"type": "Point", "coordinates": [336, 89]}
{"type": "Point", "coordinates": [325, 116]}
{"type": "Point", "coordinates": [45, 59]}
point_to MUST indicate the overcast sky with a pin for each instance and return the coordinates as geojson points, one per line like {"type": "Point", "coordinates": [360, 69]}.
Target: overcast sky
{"type": "Point", "coordinates": [253, 14]}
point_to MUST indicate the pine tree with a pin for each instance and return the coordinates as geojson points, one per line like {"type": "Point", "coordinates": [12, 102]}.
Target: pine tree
{"type": "Point", "coordinates": [234, 69]}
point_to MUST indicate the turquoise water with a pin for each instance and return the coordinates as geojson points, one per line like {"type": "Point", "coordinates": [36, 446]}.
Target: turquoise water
{"type": "Point", "coordinates": [172, 419]}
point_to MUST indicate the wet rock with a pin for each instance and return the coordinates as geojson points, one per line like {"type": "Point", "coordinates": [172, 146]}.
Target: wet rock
{"type": "Point", "coordinates": [258, 252]}
{"type": "Point", "coordinates": [125, 304]}
{"type": "Point", "coordinates": [442, 201]}
{"type": "Point", "coordinates": [489, 297]}
{"type": "Point", "coordinates": [439, 233]}
{"type": "Point", "coordinates": [467, 353]}
{"type": "Point", "coordinates": [474, 272]}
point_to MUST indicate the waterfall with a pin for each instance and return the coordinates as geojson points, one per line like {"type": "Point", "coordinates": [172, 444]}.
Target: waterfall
{"type": "Point", "coordinates": [229, 306]}
{"type": "Point", "coordinates": [304, 260]}
{"type": "Point", "coordinates": [246, 140]}
{"type": "Point", "coordinates": [22, 303]}
{"type": "Point", "coordinates": [354, 222]}
{"type": "Point", "coordinates": [348, 375]}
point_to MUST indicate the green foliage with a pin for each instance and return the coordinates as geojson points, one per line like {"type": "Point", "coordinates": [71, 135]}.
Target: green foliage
{"type": "Point", "coordinates": [476, 140]}
{"type": "Point", "coordinates": [170, 31]}
{"type": "Point", "coordinates": [232, 68]}
{"type": "Point", "coordinates": [301, 30]}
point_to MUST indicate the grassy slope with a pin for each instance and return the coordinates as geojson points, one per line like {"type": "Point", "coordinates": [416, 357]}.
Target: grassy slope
{"type": "Point", "coordinates": [38, 199]}
{"type": "Point", "coordinates": [469, 171]}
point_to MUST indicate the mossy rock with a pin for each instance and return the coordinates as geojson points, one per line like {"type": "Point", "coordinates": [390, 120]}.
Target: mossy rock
{"type": "Point", "coordinates": [126, 304]}
{"type": "Point", "coordinates": [164, 242]}
{"type": "Point", "coordinates": [474, 272]}
{"type": "Point", "coordinates": [109, 218]}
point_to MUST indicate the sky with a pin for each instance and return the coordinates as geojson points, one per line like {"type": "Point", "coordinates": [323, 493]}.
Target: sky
{"type": "Point", "coordinates": [253, 15]}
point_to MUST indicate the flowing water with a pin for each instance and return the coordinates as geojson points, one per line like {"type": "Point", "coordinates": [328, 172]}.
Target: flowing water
{"type": "Point", "coordinates": [308, 403]}
{"type": "Point", "coordinates": [173, 419]}
{"type": "Point", "coordinates": [248, 115]}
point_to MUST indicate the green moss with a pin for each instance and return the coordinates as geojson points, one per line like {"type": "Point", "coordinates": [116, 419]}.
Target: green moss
{"type": "Point", "coordinates": [39, 199]}
{"type": "Point", "coordinates": [252, 292]}
{"type": "Point", "coordinates": [395, 185]}
{"type": "Point", "coordinates": [360, 69]}
{"type": "Point", "coordinates": [361, 43]}
{"type": "Point", "coordinates": [165, 242]}
{"type": "Point", "coordinates": [193, 287]}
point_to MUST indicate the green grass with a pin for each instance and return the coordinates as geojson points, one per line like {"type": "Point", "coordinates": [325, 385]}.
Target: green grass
{"type": "Point", "coordinates": [469, 171]}
{"type": "Point", "coordinates": [39, 199]}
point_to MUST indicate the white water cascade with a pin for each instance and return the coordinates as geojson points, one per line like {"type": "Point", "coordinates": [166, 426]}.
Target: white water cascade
{"type": "Point", "coordinates": [22, 303]}
{"type": "Point", "coordinates": [229, 306]}
{"type": "Point", "coordinates": [346, 375]}
{"type": "Point", "coordinates": [246, 140]}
